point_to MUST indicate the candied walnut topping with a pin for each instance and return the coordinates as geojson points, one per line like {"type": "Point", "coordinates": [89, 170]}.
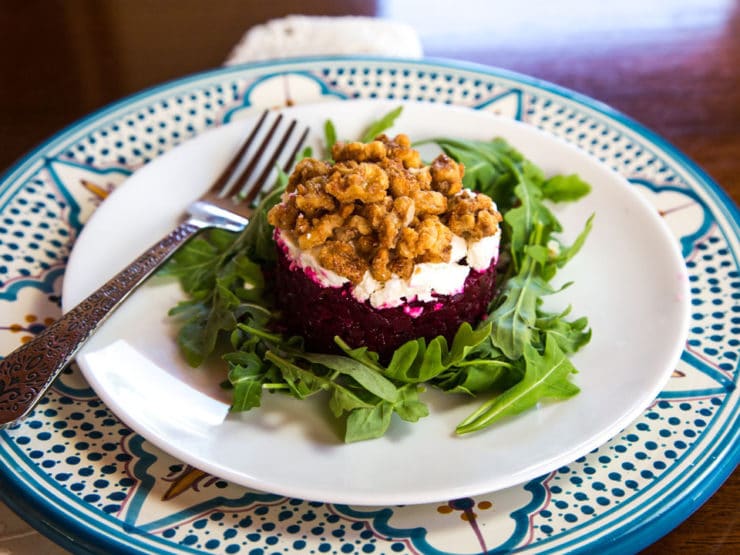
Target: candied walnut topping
{"type": "Point", "coordinates": [377, 208]}
{"type": "Point", "coordinates": [340, 257]}
{"type": "Point", "coordinates": [472, 216]}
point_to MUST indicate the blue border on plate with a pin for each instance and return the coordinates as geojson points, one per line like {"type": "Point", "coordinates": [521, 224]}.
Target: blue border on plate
{"type": "Point", "coordinates": [73, 535]}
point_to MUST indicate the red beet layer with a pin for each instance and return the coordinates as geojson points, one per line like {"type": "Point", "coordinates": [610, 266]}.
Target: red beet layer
{"type": "Point", "coordinates": [319, 313]}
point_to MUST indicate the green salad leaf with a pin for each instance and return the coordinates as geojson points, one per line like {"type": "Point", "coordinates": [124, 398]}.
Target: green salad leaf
{"type": "Point", "coordinates": [517, 356]}
{"type": "Point", "coordinates": [383, 124]}
{"type": "Point", "coordinates": [545, 377]}
{"type": "Point", "coordinates": [330, 136]}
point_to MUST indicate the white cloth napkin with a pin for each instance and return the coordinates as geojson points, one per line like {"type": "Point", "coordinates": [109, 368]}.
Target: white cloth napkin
{"type": "Point", "coordinates": [300, 35]}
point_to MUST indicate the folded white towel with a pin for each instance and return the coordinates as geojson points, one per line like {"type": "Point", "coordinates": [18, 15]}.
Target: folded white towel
{"type": "Point", "coordinates": [299, 35]}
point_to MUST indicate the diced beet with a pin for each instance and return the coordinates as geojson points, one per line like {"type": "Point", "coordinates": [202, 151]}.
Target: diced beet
{"type": "Point", "coordinates": [319, 313]}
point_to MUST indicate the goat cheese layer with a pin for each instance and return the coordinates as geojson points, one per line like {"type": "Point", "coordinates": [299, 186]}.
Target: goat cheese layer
{"type": "Point", "coordinates": [427, 280]}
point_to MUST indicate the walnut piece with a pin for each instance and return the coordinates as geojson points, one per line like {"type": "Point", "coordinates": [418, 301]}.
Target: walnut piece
{"type": "Point", "coordinates": [377, 208]}
{"type": "Point", "coordinates": [340, 257]}
{"type": "Point", "coordinates": [472, 216]}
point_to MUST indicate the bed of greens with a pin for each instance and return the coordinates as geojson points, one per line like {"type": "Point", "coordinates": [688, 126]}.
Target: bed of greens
{"type": "Point", "coordinates": [509, 362]}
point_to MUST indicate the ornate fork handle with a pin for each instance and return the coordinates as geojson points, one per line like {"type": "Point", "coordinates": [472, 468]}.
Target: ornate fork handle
{"type": "Point", "coordinates": [27, 372]}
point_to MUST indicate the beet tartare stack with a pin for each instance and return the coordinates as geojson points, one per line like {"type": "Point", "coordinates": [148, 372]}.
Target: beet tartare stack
{"type": "Point", "coordinates": [378, 249]}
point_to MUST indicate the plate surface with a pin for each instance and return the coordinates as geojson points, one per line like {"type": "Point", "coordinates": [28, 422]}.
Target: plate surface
{"type": "Point", "coordinates": [630, 279]}
{"type": "Point", "coordinates": [77, 471]}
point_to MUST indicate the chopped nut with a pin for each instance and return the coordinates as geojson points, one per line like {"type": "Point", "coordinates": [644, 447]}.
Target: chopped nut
{"type": "Point", "coordinates": [472, 217]}
{"type": "Point", "coordinates": [366, 245]}
{"type": "Point", "coordinates": [422, 178]}
{"type": "Point", "coordinates": [305, 170]}
{"type": "Point", "coordinates": [375, 213]}
{"type": "Point", "coordinates": [402, 267]}
{"type": "Point", "coordinates": [446, 175]}
{"type": "Point", "coordinates": [400, 149]}
{"type": "Point", "coordinates": [341, 258]}
{"type": "Point", "coordinates": [359, 152]}
{"type": "Point", "coordinates": [430, 202]}
{"type": "Point", "coordinates": [435, 238]}
{"type": "Point", "coordinates": [407, 243]}
{"type": "Point", "coordinates": [346, 210]}
{"type": "Point", "coordinates": [360, 224]}
{"type": "Point", "coordinates": [312, 203]}
{"type": "Point", "coordinates": [401, 183]}
{"type": "Point", "coordinates": [346, 234]}
{"type": "Point", "coordinates": [379, 268]}
{"type": "Point", "coordinates": [486, 222]}
{"type": "Point", "coordinates": [367, 183]}
{"type": "Point", "coordinates": [321, 229]}
{"type": "Point", "coordinates": [389, 229]}
{"type": "Point", "coordinates": [405, 208]}
{"type": "Point", "coordinates": [302, 225]}
{"type": "Point", "coordinates": [284, 215]}
{"type": "Point", "coordinates": [378, 208]}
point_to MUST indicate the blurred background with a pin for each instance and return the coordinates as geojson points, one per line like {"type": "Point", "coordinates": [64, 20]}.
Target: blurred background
{"type": "Point", "coordinates": [672, 65]}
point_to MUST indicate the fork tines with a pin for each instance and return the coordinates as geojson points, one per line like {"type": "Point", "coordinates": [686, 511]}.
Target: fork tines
{"type": "Point", "coordinates": [263, 150]}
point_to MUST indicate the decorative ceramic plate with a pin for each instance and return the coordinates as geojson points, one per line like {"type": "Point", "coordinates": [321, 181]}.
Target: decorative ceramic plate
{"type": "Point", "coordinates": [84, 478]}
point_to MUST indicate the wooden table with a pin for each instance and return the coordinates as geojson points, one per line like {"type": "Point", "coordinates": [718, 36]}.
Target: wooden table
{"type": "Point", "coordinates": [674, 68]}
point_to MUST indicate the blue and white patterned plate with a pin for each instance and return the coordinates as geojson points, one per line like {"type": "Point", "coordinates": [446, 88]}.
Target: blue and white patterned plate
{"type": "Point", "coordinates": [90, 483]}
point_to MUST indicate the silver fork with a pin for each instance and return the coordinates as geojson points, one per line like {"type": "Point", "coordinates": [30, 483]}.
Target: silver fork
{"type": "Point", "coordinates": [27, 372]}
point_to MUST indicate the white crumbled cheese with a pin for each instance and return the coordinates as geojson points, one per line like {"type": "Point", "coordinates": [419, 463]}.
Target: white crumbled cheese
{"type": "Point", "coordinates": [388, 294]}
{"type": "Point", "coordinates": [482, 252]}
{"type": "Point", "coordinates": [459, 248]}
{"type": "Point", "coordinates": [364, 289]}
{"type": "Point", "coordinates": [442, 278]}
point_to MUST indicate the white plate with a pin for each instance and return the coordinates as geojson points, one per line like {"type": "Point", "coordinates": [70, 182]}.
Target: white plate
{"type": "Point", "coordinates": [630, 280]}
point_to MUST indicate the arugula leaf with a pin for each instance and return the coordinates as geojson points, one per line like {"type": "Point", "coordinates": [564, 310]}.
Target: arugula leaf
{"type": "Point", "coordinates": [365, 423]}
{"type": "Point", "coordinates": [367, 377]}
{"type": "Point", "coordinates": [529, 217]}
{"type": "Point", "coordinates": [570, 335]}
{"type": "Point", "coordinates": [361, 354]}
{"type": "Point", "coordinates": [565, 254]}
{"type": "Point", "coordinates": [369, 408]}
{"type": "Point", "coordinates": [561, 188]}
{"type": "Point", "coordinates": [330, 136]}
{"type": "Point", "coordinates": [196, 264]}
{"type": "Point", "coordinates": [417, 362]}
{"type": "Point", "coordinates": [247, 378]}
{"type": "Point", "coordinates": [219, 282]}
{"type": "Point", "coordinates": [257, 236]}
{"type": "Point", "coordinates": [190, 337]}
{"type": "Point", "coordinates": [383, 124]}
{"type": "Point", "coordinates": [198, 335]}
{"type": "Point", "coordinates": [513, 321]}
{"type": "Point", "coordinates": [242, 279]}
{"type": "Point", "coordinates": [467, 340]}
{"type": "Point", "coordinates": [343, 400]}
{"type": "Point", "coordinates": [301, 382]}
{"type": "Point", "coordinates": [408, 406]}
{"type": "Point", "coordinates": [546, 377]}
{"type": "Point", "coordinates": [368, 423]}
{"type": "Point", "coordinates": [479, 376]}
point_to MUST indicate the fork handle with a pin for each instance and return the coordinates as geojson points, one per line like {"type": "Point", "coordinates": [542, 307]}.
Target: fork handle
{"type": "Point", "coordinates": [27, 372]}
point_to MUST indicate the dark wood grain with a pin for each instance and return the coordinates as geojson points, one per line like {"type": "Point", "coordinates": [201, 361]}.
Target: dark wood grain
{"type": "Point", "coordinates": [672, 66]}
